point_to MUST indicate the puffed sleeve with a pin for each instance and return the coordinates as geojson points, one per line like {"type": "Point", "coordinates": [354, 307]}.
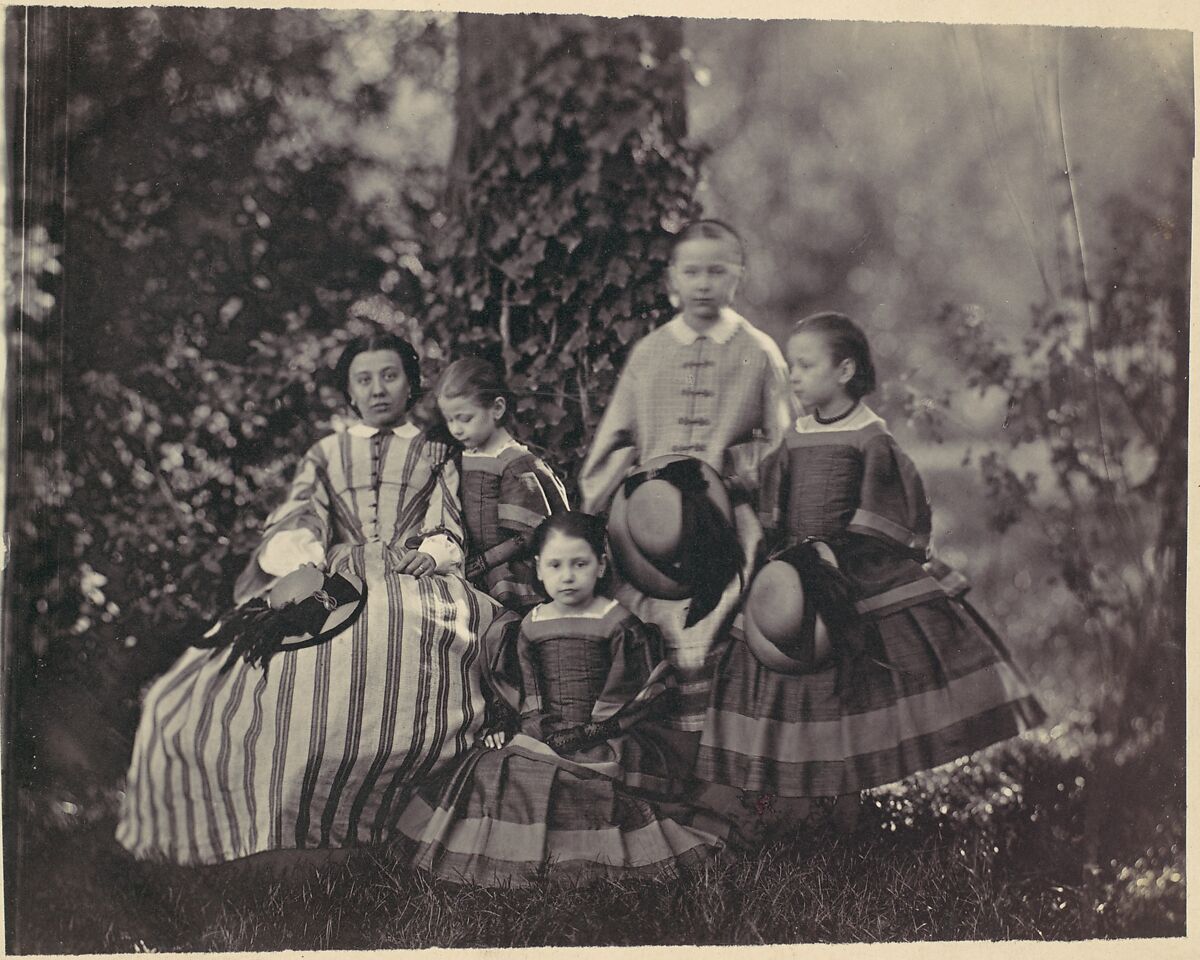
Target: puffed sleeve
{"type": "Point", "coordinates": [772, 506]}
{"type": "Point", "coordinates": [614, 448]}
{"type": "Point", "coordinates": [529, 493]}
{"type": "Point", "coordinates": [502, 666]}
{"type": "Point", "coordinates": [638, 678]}
{"type": "Point", "coordinates": [296, 532]}
{"type": "Point", "coordinates": [441, 531]}
{"type": "Point", "coordinates": [892, 506]}
{"type": "Point", "coordinates": [747, 461]}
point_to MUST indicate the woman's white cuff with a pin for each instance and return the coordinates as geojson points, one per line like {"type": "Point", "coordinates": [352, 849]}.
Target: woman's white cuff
{"type": "Point", "coordinates": [289, 550]}
{"type": "Point", "coordinates": [445, 552]}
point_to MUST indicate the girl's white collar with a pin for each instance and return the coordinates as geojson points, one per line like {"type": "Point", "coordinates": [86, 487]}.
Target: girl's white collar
{"type": "Point", "coordinates": [545, 612]}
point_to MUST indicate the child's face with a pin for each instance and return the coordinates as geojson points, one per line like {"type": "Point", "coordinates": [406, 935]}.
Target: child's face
{"type": "Point", "coordinates": [569, 568]}
{"type": "Point", "coordinates": [471, 423]}
{"type": "Point", "coordinates": [704, 275]}
{"type": "Point", "coordinates": [379, 388]}
{"type": "Point", "coordinates": [816, 380]}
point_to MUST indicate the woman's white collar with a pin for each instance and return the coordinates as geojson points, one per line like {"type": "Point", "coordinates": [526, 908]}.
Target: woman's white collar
{"type": "Point", "coordinates": [406, 430]}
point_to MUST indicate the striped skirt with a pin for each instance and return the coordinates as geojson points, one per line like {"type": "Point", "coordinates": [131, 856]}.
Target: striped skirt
{"type": "Point", "coordinates": [512, 816]}
{"type": "Point", "coordinates": [695, 651]}
{"type": "Point", "coordinates": [323, 747]}
{"type": "Point", "coordinates": [949, 689]}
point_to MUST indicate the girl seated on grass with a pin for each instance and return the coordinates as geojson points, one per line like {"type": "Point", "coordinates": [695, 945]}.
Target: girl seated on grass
{"type": "Point", "coordinates": [574, 793]}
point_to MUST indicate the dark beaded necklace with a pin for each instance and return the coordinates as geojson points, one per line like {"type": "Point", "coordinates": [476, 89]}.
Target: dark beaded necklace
{"type": "Point", "coordinates": [841, 416]}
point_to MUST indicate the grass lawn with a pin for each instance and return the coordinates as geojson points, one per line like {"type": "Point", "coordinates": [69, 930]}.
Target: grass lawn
{"type": "Point", "coordinates": [983, 849]}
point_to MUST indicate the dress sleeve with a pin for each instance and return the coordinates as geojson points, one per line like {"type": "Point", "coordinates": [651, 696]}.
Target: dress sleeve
{"type": "Point", "coordinates": [442, 530]}
{"type": "Point", "coordinates": [748, 460]}
{"type": "Point", "coordinates": [893, 506]}
{"type": "Point", "coordinates": [637, 677]}
{"type": "Point", "coordinates": [772, 506]}
{"type": "Point", "coordinates": [296, 532]}
{"type": "Point", "coordinates": [502, 666]}
{"type": "Point", "coordinates": [529, 493]}
{"type": "Point", "coordinates": [614, 448]}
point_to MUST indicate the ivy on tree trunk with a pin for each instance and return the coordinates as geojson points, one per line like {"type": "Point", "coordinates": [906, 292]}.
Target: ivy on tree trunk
{"type": "Point", "coordinates": [569, 172]}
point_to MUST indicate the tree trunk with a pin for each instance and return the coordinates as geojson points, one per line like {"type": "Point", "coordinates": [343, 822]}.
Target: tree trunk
{"type": "Point", "coordinates": [568, 169]}
{"type": "Point", "coordinates": [494, 53]}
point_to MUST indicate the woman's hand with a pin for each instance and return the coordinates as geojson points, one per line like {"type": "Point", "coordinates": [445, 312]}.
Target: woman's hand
{"type": "Point", "coordinates": [417, 563]}
{"type": "Point", "coordinates": [494, 741]}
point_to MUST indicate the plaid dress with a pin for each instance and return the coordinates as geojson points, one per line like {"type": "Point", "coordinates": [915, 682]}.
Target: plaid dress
{"type": "Point", "coordinates": [505, 494]}
{"type": "Point", "coordinates": [321, 748]}
{"type": "Point", "coordinates": [944, 687]}
{"type": "Point", "coordinates": [571, 809]}
{"type": "Point", "coordinates": [722, 398]}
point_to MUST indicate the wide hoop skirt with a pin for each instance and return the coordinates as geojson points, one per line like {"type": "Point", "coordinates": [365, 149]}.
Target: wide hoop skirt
{"type": "Point", "coordinates": [949, 688]}
{"type": "Point", "coordinates": [322, 748]}
{"type": "Point", "coordinates": [512, 816]}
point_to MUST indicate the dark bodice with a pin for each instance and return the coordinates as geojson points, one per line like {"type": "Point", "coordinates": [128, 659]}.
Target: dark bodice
{"type": "Point", "coordinates": [570, 672]}
{"type": "Point", "coordinates": [574, 668]}
{"type": "Point", "coordinates": [479, 492]}
{"type": "Point", "coordinates": [824, 486]}
{"type": "Point", "coordinates": [856, 490]}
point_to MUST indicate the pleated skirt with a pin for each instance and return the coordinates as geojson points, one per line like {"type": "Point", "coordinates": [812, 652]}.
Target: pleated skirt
{"type": "Point", "coordinates": [520, 814]}
{"type": "Point", "coordinates": [948, 688]}
{"type": "Point", "coordinates": [322, 748]}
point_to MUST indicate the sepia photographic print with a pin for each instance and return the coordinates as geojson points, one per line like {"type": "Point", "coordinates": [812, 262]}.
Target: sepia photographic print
{"type": "Point", "coordinates": [678, 477]}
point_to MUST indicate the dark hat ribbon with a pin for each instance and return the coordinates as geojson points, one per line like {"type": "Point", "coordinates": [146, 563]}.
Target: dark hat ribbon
{"type": "Point", "coordinates": [853, 639]}
{"type": "Point", "coordinates": [256, 631]}
{"type": "Point", "coordinates": [710, 555]}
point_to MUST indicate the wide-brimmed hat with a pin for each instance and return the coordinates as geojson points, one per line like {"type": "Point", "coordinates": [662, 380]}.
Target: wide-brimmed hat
{"type": "Point", "coordinates": [672, 532]}
{"type": "Point", "coordinates": [303, 609]}
{"type": "Point", "coordinates": [799, 612]}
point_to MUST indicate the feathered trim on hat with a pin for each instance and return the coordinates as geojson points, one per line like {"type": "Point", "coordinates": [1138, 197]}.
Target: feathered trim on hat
{"type": "Point", "coordinates": [256, 631]}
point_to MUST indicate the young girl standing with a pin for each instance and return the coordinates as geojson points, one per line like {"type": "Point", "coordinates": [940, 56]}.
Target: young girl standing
{"type": "Point", "coordinates": [706, 385]}
{"type": "Point", "coordinates": [506, 491]}
{"type": "Point", "coordinates": [567, 793]}
{"type": "Point", "coordinates": [938, 683]}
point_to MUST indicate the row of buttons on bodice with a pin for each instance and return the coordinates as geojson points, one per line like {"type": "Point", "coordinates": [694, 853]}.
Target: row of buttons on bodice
{"type": "Point", "coordinates": [695, 393]}
{"type": "Point", "coordinates": [370, 520]}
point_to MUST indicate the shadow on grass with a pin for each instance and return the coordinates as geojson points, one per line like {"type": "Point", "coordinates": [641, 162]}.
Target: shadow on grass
{"type": "Point", "coordinates": [982, 849]}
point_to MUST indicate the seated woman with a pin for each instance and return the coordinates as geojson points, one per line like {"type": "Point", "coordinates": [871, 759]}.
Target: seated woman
{"type": "Point", "coordinates": [319, 749]}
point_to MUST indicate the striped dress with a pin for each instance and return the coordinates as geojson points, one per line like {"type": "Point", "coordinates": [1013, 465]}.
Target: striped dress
{"type": "Point", "coordinates": [507, 492]}
{"type": "Point", "coordinates": [944, 685]}
{"type": "Point", "coordinates": [321, 748]}
{"type": "Point", "coordinates": [723, 398]}
{"type": "Point", "coordinates": [584, 809]}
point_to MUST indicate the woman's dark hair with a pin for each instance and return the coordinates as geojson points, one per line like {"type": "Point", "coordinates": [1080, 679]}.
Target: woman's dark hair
{"type": "Point", "coordinates": [478, 380]}
{"type": "Point", "coordinates": [380, 341]}
{"type": "Point", "coordinates": [575, 523]}
{"type": "Point", "coordinates": [709, 229]}
{"type": "Point", "coordinates": [846, 342]}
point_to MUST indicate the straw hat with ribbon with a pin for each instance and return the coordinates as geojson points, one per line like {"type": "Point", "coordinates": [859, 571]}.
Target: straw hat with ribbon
{"type": "Point", "coordinates": [672, 533]}
{"type": "Point", "coordinates": [799, 616]}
